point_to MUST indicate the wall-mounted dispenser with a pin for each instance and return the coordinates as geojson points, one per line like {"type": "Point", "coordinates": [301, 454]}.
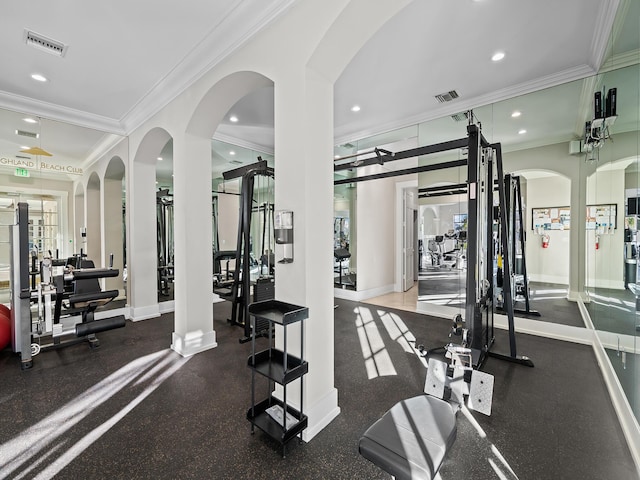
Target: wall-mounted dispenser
{"type": "Point", "coordinates": [283, 227]}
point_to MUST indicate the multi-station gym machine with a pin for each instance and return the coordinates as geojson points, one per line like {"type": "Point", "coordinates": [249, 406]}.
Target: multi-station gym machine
{"type": "Point", "coordinates": [59, 310]}
{"type": "Point", "coordinates": [484, 166]}
{"type": "Point", "coordinates": [263, 287]}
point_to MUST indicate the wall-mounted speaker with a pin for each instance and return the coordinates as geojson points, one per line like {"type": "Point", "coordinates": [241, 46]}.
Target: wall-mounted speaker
{"type": "Point", "coordinates": [597, 105]}
{"type": "Point", "coordinates": [610, 103]}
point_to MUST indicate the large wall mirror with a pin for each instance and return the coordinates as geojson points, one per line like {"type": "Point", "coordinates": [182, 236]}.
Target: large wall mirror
{"type": "Point", "coordinates": [577, 160]}
{"type": "Point", "coordinates": [43, 163]}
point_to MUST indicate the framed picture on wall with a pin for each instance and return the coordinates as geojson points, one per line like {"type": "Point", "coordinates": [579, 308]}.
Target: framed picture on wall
{"type": "Point", "coordinates": [602, 218]}
{"type": "Point", "coordinates": [551, 218]}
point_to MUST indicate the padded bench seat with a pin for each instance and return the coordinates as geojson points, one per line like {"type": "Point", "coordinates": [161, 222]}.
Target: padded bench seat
{"type": "Point", "coordinates": [410, 440]}
{"type": "Point", "coordinates": [82, 300]}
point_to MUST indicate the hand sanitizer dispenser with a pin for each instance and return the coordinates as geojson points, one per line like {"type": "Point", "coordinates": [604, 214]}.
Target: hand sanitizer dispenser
{"type": "Point", "coordinates": [283, 227]}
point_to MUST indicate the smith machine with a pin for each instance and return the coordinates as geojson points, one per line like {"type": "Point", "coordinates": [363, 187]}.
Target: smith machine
{"type": "Point", "coordinates": [263, 286]}
{"type": "Point", "coordinates": [484, 164]}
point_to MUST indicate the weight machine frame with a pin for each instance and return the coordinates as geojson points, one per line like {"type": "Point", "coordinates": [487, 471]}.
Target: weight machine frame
{"type": "Point", "coordinates": [479, 304]}
{"type": "Point", "coordinates": [241, 287]}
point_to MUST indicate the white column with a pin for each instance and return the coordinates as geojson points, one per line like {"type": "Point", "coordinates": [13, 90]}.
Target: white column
{"type": "Point", "coordinates": [304, 184]}
{"type": "Point", "coordinates": [193, 274]}
{"type": "Point", "coordinates": [578, 236]}
{"type": "Point", "coordinates": [142, 258]}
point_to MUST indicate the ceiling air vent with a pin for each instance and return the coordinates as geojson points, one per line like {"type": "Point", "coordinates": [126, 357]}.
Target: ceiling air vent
{"type": "Point", "coordinates": [236, 162]}
{"type": "Point", "coordinates": [44, 43]}
{"type": "Point", "coordinates": [24, 133]}
{"type": "Point", "coordinates": [460, 117]}
{"type": "Point", "coordinates": [447, 96]}
{"type": "Point", "coordinates": [23, 156]}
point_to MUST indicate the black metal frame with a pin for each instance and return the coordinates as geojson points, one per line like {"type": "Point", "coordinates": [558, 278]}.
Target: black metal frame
{"type": "Point", "coordinates": [240, 290]}
{"type": "Point", "coordinates": [517, 237]}
{"type": "Point", "coordinates": [479, 305]}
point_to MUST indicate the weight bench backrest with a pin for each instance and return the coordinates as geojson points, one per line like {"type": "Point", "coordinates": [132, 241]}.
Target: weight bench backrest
{"type": "Point", "coordinates": [87, 291]}
{"type": "Point", "coordinates": [89, 285]}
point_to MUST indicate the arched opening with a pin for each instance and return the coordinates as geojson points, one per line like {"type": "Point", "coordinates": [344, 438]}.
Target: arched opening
{"type": "Point", "coordinates": [114, 226]}
{"type": "Point", "coordinates": [235, 122]}
{"type": "Point", "coordinates": [142, 258]}
{"type": "Point", "coordinates": [92, 243]}
{"type": "Point", "coordinates": [164, 222]}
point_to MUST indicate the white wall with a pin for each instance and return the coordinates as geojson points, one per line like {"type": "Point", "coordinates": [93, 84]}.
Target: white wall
{"type": "Point", "coordinates": [228, 215]}
{"type": "Point", "coordinates": [548, 264]}
{"type": "Point", "coordinates": [605, 266]}
{"type": "Point", "coordinates": [376, 244]}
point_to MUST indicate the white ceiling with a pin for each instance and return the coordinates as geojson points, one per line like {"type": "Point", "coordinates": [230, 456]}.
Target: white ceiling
{"type": "Point", "coordinates": [125, 59]}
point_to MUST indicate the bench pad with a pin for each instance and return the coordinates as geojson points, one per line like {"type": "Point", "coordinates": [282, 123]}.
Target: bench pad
{"type": "Point", "coordinates": [410, 440]}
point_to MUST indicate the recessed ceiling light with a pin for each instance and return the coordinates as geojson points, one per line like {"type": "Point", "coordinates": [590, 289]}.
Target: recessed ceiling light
{"type": "Point", "coordinates": [160, 158]}
{"type": "Point", "coordinates": [516, 114]}
{"type": "Point", "coordinates": [522, 132]}
{"type": "Point", "coordinates": [497, 56]}
{"type": "Point", "coordinates": [232, 152]}
{"type": "Point", "coordinates": [38, 77]}
{"type": "Point", "coordinates": [355, 108]}
{"type": "Point", "coordinates": [23, 147]}
{"type": "Point", "coordinates": [233, 118]}
{"type": "Point", "coordinates": [30, 120]}
{"type": "Point", "coordinates": [336, 156]}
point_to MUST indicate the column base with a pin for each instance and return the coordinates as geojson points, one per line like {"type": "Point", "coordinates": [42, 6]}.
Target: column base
{"type": "Point", "coordinates": [321, 414]}
{"type": "Point", "coordinates": [193, 342]}
{"type": "Point", "coordinates": [144, 313]}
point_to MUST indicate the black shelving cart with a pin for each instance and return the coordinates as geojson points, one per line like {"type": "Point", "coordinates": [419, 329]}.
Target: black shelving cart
{"type": "Point", "coordinates": [277, 366]}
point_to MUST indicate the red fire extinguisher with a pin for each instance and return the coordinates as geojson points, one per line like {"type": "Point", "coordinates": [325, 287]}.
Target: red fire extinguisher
{"type": "Point", "coordinates": [545, 241]}
{"type": "Point", "coordinates": [597, 242]}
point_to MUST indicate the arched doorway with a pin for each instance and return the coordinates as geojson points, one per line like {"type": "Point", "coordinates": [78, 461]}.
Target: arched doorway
{"type": "Point", "coordinates": [92, 243]}
{"type": "Point", "coordinates": [114, 194]}
{"type": "Point", "coordinates": [142, 263]}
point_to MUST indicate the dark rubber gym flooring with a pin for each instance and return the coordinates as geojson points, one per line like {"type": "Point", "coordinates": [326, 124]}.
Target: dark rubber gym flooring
{"type": "Point", "coordinates": [133, 409]}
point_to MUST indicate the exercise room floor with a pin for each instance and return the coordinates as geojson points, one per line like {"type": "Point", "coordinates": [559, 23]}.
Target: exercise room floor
{"type": "Point", "coordinates": [133, 409]}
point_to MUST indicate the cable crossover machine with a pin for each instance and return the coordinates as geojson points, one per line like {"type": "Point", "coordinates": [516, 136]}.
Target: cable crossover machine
{"type": "Point", "coordinates": [484, 166]}
{"type": "Point", "coordinates": [263, 285]}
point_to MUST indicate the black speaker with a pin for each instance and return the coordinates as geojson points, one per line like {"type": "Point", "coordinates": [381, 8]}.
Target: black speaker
{"type": "Point", "coordinates": [587, 132]}
{"type": "Point", "coordinates": [632, 206]}
{"type": "Point", "coordinates": [597, 105]}
{"type": "Point", "coordinates": [610, 103]}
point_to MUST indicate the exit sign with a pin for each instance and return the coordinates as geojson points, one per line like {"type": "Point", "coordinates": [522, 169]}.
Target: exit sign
{"type": "Point", "coordinates": [21, 172]}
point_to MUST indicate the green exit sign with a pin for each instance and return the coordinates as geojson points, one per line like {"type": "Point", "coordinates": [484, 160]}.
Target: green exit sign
{"type": "Point", "coordinates": [21, 172]}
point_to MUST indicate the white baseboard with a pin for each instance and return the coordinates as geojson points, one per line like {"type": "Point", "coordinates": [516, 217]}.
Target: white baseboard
{"type": "Point", "coordinates": [438, 310]}
{"type": "Point", "coordinates": [361, 295]}
{"type": "Point", "coordinates": [167, 307]}
{"type": "Point", "coordinates": [125, 311]}
{"type": "Point", "coordinates": [193, 342]}
{"type": "Point", "coordinates": [144, 313]}
{"type": "Point", "coordinates": [539, 277]}
{"type": "Point", "coordinates": [566, 333]}
{"type": "Point", "coordinates": [321, 414]}
{"type": "Point", "coordinates": [612, 284]}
